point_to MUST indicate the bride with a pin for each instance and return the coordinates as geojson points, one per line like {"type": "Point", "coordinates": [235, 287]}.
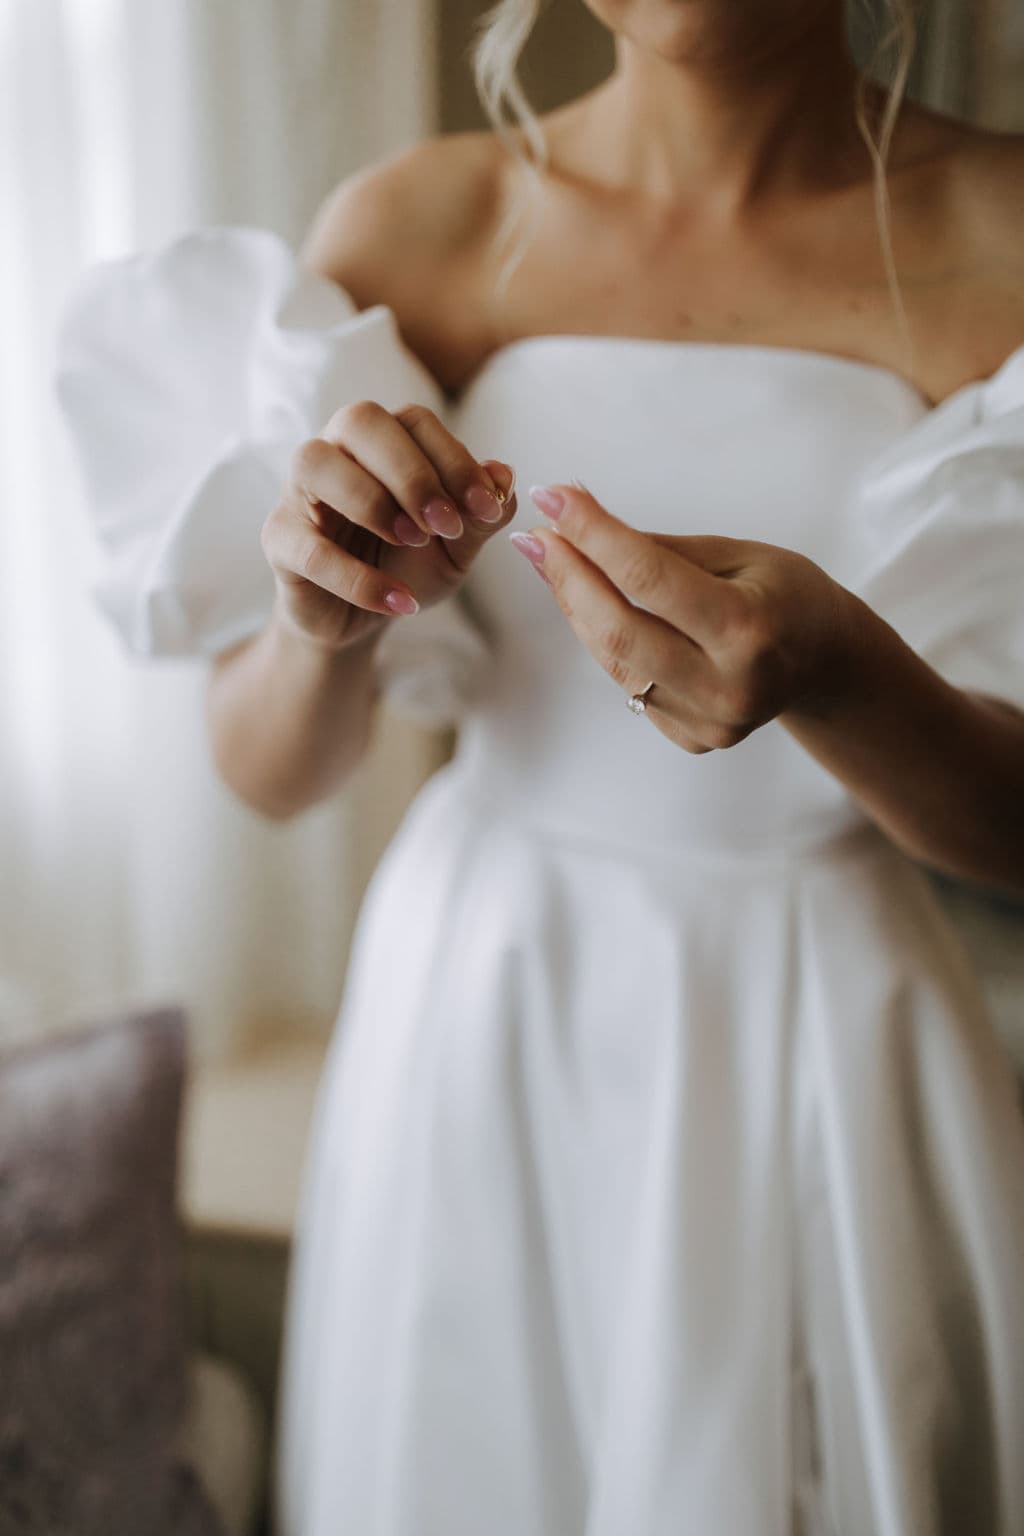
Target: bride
{"type": "Point", "coordinates": [667, 1175]}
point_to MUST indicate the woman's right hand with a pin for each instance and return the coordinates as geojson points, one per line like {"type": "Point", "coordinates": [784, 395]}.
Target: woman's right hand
{"type": "Point", "coordinates": [383, 508]}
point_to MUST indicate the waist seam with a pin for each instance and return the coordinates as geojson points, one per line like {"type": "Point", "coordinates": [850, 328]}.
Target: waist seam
{"type": "Point", "coordinates": [860, 841]}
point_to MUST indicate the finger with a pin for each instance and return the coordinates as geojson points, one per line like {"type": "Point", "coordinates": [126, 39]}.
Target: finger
{"type": "Point", "coordinates": [504, 477]}
{"type": "Point", "coordinates": [678, 723]}
{"type": "Point", "coordinates": [467, 481]}
{"type": "Point", "coordinates": [462, 552]}
{"type": "Point", "coordinates": [631, 645]}
{"type": "Point", "coordinates": [714, 552]}
{"type": "Point", "coordinates": [297, 551]}
{"type": "Point", "coordinates": [338, 490]}
{"type": "Point", "coordinates": [659, 580]}
{"type": "Point", "coordinates": [378, 441]}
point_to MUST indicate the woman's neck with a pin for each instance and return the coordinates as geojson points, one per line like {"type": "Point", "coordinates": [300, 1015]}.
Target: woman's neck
{"type": "Point", "coordinates": [720, 127]}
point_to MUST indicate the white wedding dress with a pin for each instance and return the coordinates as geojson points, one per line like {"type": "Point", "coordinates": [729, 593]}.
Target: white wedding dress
{"type": "Point", "coordinates": [667, 1175]}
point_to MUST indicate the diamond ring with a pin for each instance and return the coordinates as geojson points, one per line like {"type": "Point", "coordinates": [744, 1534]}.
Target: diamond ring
{"type": "Point", "coordinates": [637, 702]}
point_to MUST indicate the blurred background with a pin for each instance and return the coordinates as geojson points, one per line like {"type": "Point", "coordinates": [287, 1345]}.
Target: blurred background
{"type": "Point", "coordinates": [127, 871]}
{"type": "Point", "coordinates": [128, 875]}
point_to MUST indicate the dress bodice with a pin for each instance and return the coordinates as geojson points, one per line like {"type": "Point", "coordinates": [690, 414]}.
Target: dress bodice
{"type": "Point", "coordinates": [754, 443]}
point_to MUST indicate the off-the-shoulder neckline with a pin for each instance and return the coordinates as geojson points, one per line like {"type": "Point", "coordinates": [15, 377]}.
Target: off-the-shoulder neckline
{"type": "Point", "coordinates": [774, 353]}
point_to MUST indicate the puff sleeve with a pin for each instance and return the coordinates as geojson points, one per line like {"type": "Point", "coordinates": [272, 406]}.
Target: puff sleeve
{"type": "Point", "coordinates": [186, 377]}
{"type": "Point", "coordinates": [940, 519]}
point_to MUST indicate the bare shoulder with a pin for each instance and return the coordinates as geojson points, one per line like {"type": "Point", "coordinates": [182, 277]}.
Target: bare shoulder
{"type": "Point", "coordinates": [986, 180]}
{"type": "Point", "coordinates": [403, 230]}
{"type": "Point", "coordinates": [985, 191]}
{"type": "Point", "coordinates": [961, 199]}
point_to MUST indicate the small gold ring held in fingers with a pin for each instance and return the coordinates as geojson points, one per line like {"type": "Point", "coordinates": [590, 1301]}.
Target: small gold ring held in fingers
{"type": "Point", "coordinates": [504, 496]}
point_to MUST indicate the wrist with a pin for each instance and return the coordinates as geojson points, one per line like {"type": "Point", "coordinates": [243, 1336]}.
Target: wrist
{"type": "Point", "coordinates": [850, 659]}
{"type": "Point", "coordinates": [290, 639]}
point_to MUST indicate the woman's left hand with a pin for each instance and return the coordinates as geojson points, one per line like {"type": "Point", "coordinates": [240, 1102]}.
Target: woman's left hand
{"type": "Point", "coordinates": [733, 632]}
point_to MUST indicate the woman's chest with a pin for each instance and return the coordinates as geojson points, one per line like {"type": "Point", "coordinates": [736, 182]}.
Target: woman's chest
{"type": "Point", "coordinates": [817, 282]}
{"type": "Point", "coordinates": [767, 444]}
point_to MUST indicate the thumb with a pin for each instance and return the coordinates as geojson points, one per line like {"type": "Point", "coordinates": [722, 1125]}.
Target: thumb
{"type": "Point", "coordinates": [713, 552]}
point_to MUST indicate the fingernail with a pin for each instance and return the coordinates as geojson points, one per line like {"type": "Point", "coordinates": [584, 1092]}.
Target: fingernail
{"type": "Point", "coordinates": [533, 549]}
{"type": "Point", "coordinates": [550, 502]}
{"type": "Point", "coordinates": [408, 531]}
{"type": "Point", "coordinates": [506, 496]}
{"type": "Point", "coordinates": [401, 602]}
{"type": "Point", "coordinates": [483, 504]}
{"type": "Point", "coordinates": [578, 483]}
{"type": "Point", "coordinates": [443, 517]}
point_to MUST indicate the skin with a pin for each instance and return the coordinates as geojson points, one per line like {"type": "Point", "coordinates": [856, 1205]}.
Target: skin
{"type": "Point", "coordinates": [722, 159]}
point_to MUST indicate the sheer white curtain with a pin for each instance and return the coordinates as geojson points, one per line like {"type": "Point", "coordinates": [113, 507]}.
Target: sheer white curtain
{"type": "Point", "coordinates": [126, 872]}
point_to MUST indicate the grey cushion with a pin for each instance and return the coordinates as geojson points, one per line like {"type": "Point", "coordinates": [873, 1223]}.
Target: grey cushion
{"type": "Point", "coordinates": [92, 1325]}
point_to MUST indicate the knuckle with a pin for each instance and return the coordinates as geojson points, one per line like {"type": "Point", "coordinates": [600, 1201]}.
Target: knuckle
{"type": "Point", "coordinates": [269, 532]}
{"type": "Point", "coordinates": [754, 628]}
{"type": "Point", "coordinates": [760, 634]}
{"type": "Point", "coordinates": [308, 458]}
{"type": "Point", "coordinates": [642, 571]}
{"type": "Point", "coordinates": [614, 644]}
{"type": "Point", "coordinates": [734, 614]}
{"type": "Point", "coordinates": [377, 506]}
{"type": "Point", "coordinates": [618, 671]}
{"type": "Point", "coordinates": [719, 737]}
{"type": "Point", "coordinates": [416, 489]}
{"type": "Point", "coordinates": [312, 561]}
{"type": "Point", "coordinates": [356, 417]}
{"type": "Point", "coordinates": [277, 534]}
{"type": "Point", "coordinates": [414, 415]}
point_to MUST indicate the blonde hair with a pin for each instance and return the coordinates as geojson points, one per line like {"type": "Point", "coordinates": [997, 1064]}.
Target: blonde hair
{"type": "Point", "coordinates": [502, 34]}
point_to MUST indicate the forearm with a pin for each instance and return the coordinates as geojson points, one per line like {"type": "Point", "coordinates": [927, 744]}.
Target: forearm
{"type": "Point", "coordinates": [288, 720]}
{"type": "Point", "coordinates": [941, 771]}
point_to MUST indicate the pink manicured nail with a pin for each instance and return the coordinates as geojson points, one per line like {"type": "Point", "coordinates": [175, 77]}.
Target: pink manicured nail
{"type": "Point", "coordinates": [533, 549]}
{"type": "Point", "coordinates": [550, 502]}
{"type": "Point", "coordinates": [443, 517]}
{"type": "Point", "coordinates": [401, 602]}
{"type": "Point", "coordinates": [483, 504]}
{"type": "Point", "coordinates": [409, 532]}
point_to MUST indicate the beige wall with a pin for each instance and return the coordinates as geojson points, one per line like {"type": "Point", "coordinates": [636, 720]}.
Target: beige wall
{"type": "Point", "coordinates": [568, 53]}
{"type": "Point", "coordinates": [969, 60]}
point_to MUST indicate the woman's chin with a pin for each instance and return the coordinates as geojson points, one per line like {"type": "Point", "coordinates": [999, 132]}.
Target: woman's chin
{"type": "Point", "coordinates": [703, 31]}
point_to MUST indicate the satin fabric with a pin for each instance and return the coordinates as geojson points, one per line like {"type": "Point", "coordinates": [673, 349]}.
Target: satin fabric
{"type": "Point", "coordinates": [667, 1176]}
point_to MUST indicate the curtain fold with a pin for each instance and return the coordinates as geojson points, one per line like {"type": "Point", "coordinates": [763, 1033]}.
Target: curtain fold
{"type": "Point", "coordinates": [127, 872]}
{"type": "Point", "coordinates": [972, 60]}
{"type": "Point", "coordinates": [999, 101]}
{"type": "Point", "coordinates": [969, 55]}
